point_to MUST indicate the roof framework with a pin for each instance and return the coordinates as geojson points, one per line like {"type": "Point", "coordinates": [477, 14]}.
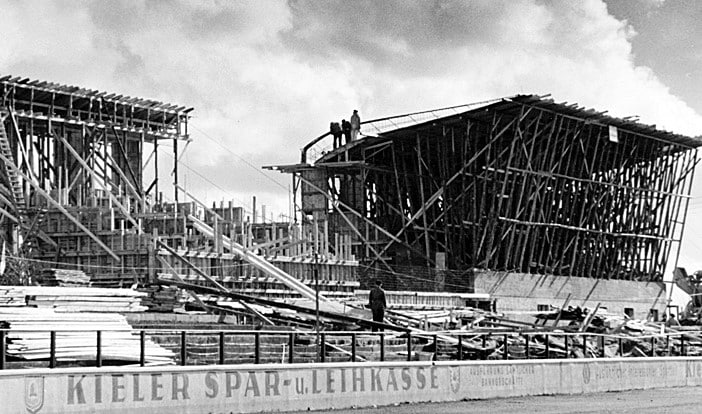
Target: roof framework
{"type": "Point", "coordinates": [521, 184]}
{"type": "Point", "coordinates": [68, 146]}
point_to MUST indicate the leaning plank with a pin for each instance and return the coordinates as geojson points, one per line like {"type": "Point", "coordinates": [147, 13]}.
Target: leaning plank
{"type": "Point", "coordinates": [59, 207]}
{"type": "Point", "coordinates": [87, 168]}
{"type": "Point", "coordinates": [282, 305]}
{"type": "Point", "coordinates": [258, 262]}
{"type": "Point", "coordinates": [206, 277]}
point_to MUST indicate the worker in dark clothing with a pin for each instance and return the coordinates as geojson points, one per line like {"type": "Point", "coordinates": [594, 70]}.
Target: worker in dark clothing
{"type": "Point", "coordinates": [672, 321]}
{"type": "Point", "coordinates": [335, 130]}
{"type": "Point", "coordinates": [376, 301]}
{"type": "Point", "coordinates": [346, 129]}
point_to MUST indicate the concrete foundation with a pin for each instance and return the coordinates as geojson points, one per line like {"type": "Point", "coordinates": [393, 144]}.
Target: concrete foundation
{"type": "Point", "coordinates": [520, 292]}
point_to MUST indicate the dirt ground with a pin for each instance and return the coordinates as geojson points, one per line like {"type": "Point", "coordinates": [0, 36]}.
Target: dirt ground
{"type": "Point", "coordinates": [661, 400]}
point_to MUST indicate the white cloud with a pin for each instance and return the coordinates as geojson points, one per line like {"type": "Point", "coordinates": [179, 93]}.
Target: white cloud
{"type": "Point", "coordinates": [265, 77]}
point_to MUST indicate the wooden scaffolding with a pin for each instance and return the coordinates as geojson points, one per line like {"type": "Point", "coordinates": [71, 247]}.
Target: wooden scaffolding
{"type": "Point", "coordinates": [520, 184]}
{"type": "Point", "coordinates": [82, 177]}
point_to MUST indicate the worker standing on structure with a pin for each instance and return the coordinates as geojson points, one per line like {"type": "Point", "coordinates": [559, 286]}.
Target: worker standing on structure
{"type": "Point", "coordinates": [335, 130]}
{"type": "Point", "coordinates": [346, 129]}
{"type": "Point", "coordinates": [355, 125]}
{"type": "Point", "coordinates": [376, 301]}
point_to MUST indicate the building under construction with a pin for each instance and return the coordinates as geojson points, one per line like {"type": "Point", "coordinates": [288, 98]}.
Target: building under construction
{"type": "Point", "coordinates": [84, 184]}
{"type": "Point", "coordinates": [534, 202]}
{"type": "Point", "coordinates": [524, 198]}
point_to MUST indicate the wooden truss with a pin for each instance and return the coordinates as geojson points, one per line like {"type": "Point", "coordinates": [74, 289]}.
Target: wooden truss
{"type": "Point", "coordinates": [523, 185]}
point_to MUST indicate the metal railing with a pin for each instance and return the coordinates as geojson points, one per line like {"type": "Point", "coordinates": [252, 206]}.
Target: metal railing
{"type": "Point", "coordinates": [362, 345]}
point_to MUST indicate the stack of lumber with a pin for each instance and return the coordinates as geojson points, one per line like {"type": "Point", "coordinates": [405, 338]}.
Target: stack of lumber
{"type": "Point", "coordinates": [76, 299]}
{"type": "Point", "coordinates": [163, 299]}
{"type": "Point", "coordinates": [63, 277]}
{"type": "Point", "coordinates": [76, 338]}
{"type": "Point", "coordinates": [9, 296]}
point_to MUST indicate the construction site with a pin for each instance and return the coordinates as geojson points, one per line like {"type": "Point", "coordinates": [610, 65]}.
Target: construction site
{"type": "Point", "coordinates": [511, 229]}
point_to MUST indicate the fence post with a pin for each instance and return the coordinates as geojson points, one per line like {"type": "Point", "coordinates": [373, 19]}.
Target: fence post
{"type": "Point", "coordinates": [382, 347]}
{"type": "Point", "coordinates": [353, 347]}
{"type": "Point", "coordinates": [584, 337]}
{"type": "Point", "coordinates": [436, 348]}
{"type": "Point", "coordinates": [257, 348]}
{"type": "Point", "coordinates": [460, 347]}
{"type": "Point", "coordinates": [291, 347]}
{"type": "Point", "coordinates": [602, 346]}
{"type": "Point", "coordinates": [621, 347]}
{"type": "Point", "coordinates": [183, 348]}
{"type": "Point", "coordinates": [567, 349]}
{"type": "Point", "coordinates": [222, 356]}
{"type": "Point", "coordinates": [322, 347]}
{"type": "Point", "coordinates": [409, 346]}
{"type": "Point", "coordinates": [52, 350]}
{"type": "Point", "coordinates": [2, 350]}
{"type": "Point", "coordinates": [653, 346]}
{"type": "Point", "coordinates": [667, 344]}
{"type": "Point", "coordinates": [98, 351]}
{"type": "Point", "coordinates": [548, 346]}
{"type": "Point", "coordinates": [504, 344]}
{"type": "Point", "coordinates": [683, 351]}
{"type": "Point", "coordinates": [142, 348]}
{"type": "Point", "coordinates": [526, 348]}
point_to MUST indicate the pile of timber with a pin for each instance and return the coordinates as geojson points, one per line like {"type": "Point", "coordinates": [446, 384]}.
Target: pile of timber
{"type": "Point", "coordinates": [75, 299]}
{"type": "Point", "coordinates": [9, 296]}
{"type": "Point", "coordinates": [76, 338]}
{"type": "Point", "coordinates": [63, 277]}
{"type": "Point", "coordinates": [163, 299]}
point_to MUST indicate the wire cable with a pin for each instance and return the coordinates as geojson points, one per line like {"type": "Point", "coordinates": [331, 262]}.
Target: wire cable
{"type": "Point", "coordinates": [244, 160]}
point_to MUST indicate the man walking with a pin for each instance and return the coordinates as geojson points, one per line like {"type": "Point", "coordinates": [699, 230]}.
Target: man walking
{"type": "Point", "coordinates": [376, 301]}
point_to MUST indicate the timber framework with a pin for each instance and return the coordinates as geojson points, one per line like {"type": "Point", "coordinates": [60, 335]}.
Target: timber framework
{"type": "Point", "coordinates": [89, 181]}
{"type": "Point", "coordinates": [520, 184]}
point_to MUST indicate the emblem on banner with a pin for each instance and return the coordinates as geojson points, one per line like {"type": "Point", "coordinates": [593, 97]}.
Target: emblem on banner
{"type": "Point", "coordinates": [586, 374]}
{"type": "Point", "coordinates": [33, 394]}
{"type": "Point", "coordinates": [455, 378]}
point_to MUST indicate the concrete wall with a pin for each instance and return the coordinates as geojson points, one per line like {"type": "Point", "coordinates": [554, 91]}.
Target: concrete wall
{"type": "Point", "coordinates": [256, 388]}
{"type": "Point", "coordinates": [524, 292]}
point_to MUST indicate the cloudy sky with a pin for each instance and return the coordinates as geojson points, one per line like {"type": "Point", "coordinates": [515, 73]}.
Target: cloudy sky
{"type": "Point", "coordinates": [265, 77]}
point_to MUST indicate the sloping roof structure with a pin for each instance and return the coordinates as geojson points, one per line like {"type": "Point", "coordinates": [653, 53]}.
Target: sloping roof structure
{"type": "Point", "coordinates": [79, 98]}
{"type": "Point", "coordinates": [521, 183]}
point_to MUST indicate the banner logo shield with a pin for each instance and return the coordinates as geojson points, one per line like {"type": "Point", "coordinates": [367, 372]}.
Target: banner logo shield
{"type": "Point", "coordinates": [33, 394]}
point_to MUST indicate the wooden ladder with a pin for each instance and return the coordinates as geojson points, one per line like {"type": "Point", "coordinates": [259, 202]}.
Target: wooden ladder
{"type": "Point", "coordinates": [12, 176]}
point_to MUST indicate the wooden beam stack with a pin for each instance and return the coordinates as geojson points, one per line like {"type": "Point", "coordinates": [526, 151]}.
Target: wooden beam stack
{"type": "Point", "coordinates": [76, 339]}
{"type": "Point", "coordinates": [63, 277]}
{"type": "Point", "coordinates": [75, 299]}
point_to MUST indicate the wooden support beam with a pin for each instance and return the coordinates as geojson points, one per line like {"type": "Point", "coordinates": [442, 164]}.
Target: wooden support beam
{"type": "Point", "coordinates": [60, 208]}
{"type": "Point", "coordinates": [209, 279]}
{"type": "Point", "coordinates": [112, 197]}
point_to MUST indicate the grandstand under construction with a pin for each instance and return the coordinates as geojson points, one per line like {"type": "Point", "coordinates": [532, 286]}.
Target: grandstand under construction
{"type": "Point", "coordinates": [82, 186]}
{"type": "Point", "coordinates": [551, 192]}
{"type": "Point", "coordinates": [522, 198]}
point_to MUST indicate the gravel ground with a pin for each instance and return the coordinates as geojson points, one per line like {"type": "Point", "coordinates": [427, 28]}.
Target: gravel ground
{"type": "Point", "coordinates": [661, 400]}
